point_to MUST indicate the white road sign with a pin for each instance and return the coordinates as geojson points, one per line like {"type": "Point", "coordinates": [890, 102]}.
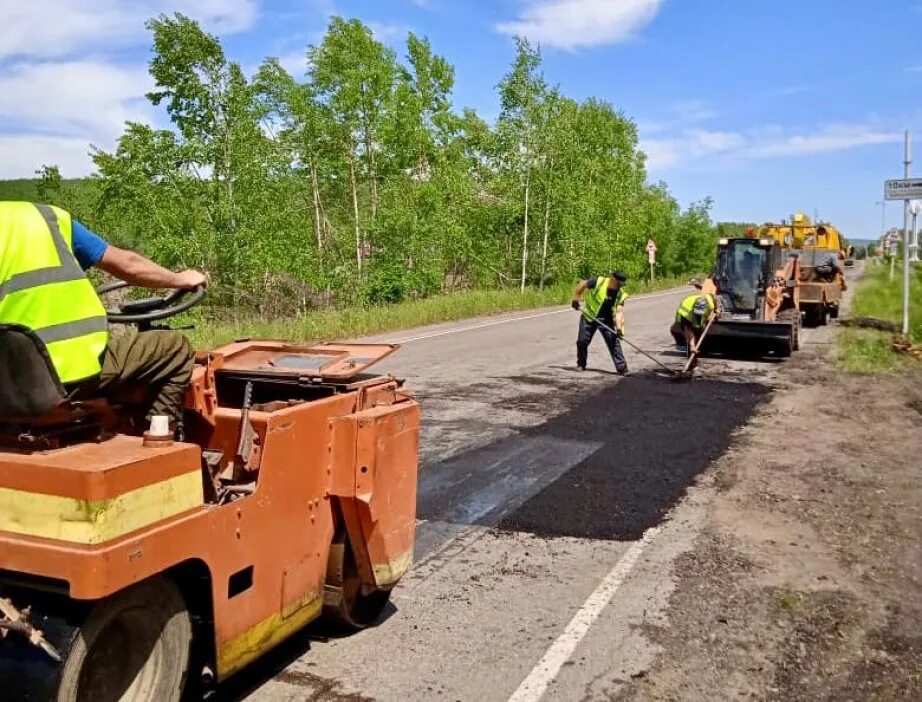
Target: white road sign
{"type": "Point", "coordinates": [903, 189]}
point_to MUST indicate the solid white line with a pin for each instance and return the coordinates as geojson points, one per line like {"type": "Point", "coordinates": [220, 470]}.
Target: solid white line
{"type": "Point", "coordinates": [542, 675]}
{"type": "Point", "coordinates": [646, 296]}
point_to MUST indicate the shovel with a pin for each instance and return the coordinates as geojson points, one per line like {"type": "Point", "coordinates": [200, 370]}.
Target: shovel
{"type": "Point", "coordinates": [689, 368]}
{"type": "Point", "coordinates": [672, 372]}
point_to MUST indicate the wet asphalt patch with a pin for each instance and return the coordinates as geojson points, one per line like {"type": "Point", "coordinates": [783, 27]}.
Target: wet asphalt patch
{"type": "Point", "coordinates": [609, 467]}
{"type": "Point", "coordinates": [656, 437]}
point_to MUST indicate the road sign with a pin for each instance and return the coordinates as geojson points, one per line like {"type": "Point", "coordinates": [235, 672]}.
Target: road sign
{"type": "Point", "coordinates": [903, 189]}
{"type": "Point", "coordinates": [651, 251]}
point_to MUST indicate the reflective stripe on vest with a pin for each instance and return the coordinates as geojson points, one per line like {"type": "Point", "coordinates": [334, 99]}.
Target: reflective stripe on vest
{"type": "Point", "coordinates": [43, 288]}
{"type": "Point", "coordinates": [686, 309]}
{"type": "Point", "coordinates": [594, 298]}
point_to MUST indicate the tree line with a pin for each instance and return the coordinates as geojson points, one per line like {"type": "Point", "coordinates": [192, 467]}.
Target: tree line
{"type": "Point", "coordinates": [360, 182]}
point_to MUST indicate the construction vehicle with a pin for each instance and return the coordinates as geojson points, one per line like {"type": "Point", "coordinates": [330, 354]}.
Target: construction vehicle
{"type": "Point", "coordinates": [821, 249]}
{"type": "Point", "coordinates": [131, 563]}
{"type": "Point", "coordinates": [759, 295]}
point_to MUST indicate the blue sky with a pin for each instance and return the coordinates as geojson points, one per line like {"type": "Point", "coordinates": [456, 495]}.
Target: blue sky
{"type": "Point", "coordinates": [767, 106]}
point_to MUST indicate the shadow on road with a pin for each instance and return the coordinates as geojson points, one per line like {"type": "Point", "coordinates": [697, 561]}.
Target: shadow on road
{"type": "Point", "coordinates": [610, 467]}
{"type": "Point", "coordinates": [275, 666]}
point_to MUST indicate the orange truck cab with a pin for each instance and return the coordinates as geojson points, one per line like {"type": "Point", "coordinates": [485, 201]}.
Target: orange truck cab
{"type": "Point", "coordinates": [129, 563]}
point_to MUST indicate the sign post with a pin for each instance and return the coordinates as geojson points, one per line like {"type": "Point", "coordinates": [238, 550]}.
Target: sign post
{"type": "Point", "coordinates": [651, 256]}
{"type": "Point", "coordinates": [905, 189]}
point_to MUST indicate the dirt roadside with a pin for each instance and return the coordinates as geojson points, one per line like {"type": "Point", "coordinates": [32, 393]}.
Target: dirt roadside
{"type": "Point", "coordinates": [806, 583]}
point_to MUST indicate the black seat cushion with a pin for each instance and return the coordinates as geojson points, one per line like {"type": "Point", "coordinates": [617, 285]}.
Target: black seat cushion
{"type": "Point", "coordinates": [29, 384]}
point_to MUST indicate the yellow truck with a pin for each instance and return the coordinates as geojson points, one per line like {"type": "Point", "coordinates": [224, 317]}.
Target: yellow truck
{"type": "Point", "coordinates": [821, 250]}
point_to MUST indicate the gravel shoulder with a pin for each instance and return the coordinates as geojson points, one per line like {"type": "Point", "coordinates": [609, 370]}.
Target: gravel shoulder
{"type": "Point", "coordinates": [805, 582]}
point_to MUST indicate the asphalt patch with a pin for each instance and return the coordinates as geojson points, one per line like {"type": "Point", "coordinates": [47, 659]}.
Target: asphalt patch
{"type": "Point", "coordinates": [655, 438]}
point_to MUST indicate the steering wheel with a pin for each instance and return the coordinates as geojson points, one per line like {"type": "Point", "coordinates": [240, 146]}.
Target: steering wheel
{"type": "Point", "coordinates": [150, 309]}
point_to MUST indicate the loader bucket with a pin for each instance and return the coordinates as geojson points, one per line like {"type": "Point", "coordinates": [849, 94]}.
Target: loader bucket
{"type": "Point", "coordinates": [750, 335]}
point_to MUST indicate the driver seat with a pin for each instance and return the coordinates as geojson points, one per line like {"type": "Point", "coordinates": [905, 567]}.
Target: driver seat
{"type": "Point", "coordinates": [29, 384]}
{"type": "Point", "coordinates": [36, 410]}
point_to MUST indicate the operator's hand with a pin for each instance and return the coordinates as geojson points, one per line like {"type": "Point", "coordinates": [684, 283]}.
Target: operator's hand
{"type": "Point", "coordinates": [190, 279]}
{"type": "Point", "coordinates": [575, 305]}
{"type": "Point", "coordinates": [620, 333]}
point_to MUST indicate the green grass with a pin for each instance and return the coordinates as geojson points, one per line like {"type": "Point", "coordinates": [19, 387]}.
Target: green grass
{"type": "Point", "coordinates": [867, 350]}
{"type": "Point", "coordinates": [213, 327]}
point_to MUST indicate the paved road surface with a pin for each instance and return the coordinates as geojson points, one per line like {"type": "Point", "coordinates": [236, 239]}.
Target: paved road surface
{"type": "Point", "coordinates": [543, 544]}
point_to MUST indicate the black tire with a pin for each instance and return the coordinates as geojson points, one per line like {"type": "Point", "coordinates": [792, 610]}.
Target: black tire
{"type": "Point", "coordinates": [133, 646]}
{"type": "Point", "coordinates": [346, 603]}
{"type": "Point", "coordinates": [811, 318]}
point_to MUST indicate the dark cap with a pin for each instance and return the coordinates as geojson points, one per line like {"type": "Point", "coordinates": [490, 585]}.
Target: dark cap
{"type": "Point", "coordinates": [618, 275]}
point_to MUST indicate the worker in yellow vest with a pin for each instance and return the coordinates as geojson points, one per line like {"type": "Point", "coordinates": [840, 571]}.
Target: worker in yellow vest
{"type": "Point", "coordinates": [601, 299]}
{"type": "Point", "coordinates": [44, 253]}
{"type": "Point", "coordinates": [691, 317]}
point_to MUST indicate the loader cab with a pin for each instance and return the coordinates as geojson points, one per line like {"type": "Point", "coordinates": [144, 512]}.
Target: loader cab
{"type": "Point", "coordinates": [744, 269]}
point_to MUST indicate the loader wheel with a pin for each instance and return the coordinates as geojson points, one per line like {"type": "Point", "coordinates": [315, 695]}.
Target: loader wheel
{"type": "Point", "coordinates": [345, 601]}
{"type": "Point", "coordinates": [133, 646]}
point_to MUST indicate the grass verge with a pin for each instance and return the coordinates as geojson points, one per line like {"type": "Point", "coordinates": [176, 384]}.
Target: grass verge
{"type": "Point", "coordinates": [868, 350]}
{"type": "Point", "coordinates": [213, 327]}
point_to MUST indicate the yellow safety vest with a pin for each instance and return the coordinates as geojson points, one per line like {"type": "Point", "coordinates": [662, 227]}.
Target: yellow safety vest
{"type": "Point", "coordinates": [687, 307]}
{"type": "Point", "coordinates": [594, 298]}
{"type": "Point", "coordinates": [43, 288]}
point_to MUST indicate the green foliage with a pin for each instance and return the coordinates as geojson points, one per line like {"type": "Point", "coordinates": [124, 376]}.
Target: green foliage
{"type": "Point", "coordinates": [867, 350]}
{"type": "Point", "coordinates": [359, 183]}
{"type": "Point", "coordinates": [734, 230]}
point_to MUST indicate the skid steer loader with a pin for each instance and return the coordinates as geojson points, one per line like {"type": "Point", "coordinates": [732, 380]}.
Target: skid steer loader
{"type": "Point", "coordinates": [759, 297]}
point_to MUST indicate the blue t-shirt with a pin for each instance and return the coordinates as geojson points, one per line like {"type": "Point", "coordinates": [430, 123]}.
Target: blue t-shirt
{"type": "Point", "coordinates": [88, 246]}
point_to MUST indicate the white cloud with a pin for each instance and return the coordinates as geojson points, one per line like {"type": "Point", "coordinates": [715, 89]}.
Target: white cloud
{"type": "Point", "coordinates": [55, 102]}
{"type": "Point", "coordinates": [692, 145]}
{"type": "Point", "coordinates": [695, 145]}
{"type": "Point", "coordinates": [572, 24]}
{"type": "Point", "coordinates": [836, 137]}
{"type": "Point", "coordinates": [386, 32]}
{"type": "Point", "coordinates": [693, 111]}
{"type": "Point", "coordinates": [295, 62]}
{"type": "Point", "coordinates": [23, 154]}
{"type": "Point", "coordinates": [51, 111]}
{"type": "Point", "coordinates": [787, 91]}
{"type": "Point", "coordinates": [73, 97]}
{"type": "Point", "coordinates": [51, 28]}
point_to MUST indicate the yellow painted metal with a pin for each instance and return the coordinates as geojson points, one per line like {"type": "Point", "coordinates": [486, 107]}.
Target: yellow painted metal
{"type": "Point", "coordinates": [97, 521]}
{"type": "Point", "coordinates": [255, 641]}
{"type": "Point", "coordinates": [388, 574]}
{"type": "Point", "coordinates": [801, 233]}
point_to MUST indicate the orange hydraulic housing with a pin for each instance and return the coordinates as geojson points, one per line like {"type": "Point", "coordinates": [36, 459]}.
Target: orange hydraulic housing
{"type": "Point", "coordinates": [813, 243]}
{"type": "Point", "coordinates": [289, 451]}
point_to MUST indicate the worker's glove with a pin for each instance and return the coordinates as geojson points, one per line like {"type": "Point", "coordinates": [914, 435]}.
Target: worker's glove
{"type": "Point", "coordinates": [575, 305]}
{"type": "Point", "coordinates": [620, 333]}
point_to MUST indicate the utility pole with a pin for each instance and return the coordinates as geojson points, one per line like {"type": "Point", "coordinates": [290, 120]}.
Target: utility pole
{"type": "Point", "coordinates": [883, 227]}
{"type": "Point", "coordinates": [907, 160]}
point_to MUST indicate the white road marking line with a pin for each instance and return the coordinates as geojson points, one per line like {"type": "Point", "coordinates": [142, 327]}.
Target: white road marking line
{"type": "Point", "coordinates": [542, 675]}
{"type": "Point", "coordinates": [646, 296]}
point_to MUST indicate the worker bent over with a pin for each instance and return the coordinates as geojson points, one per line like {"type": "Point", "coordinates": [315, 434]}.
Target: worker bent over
{"type": "Point", "coordinates": [43, 288]}
{"type": "Point", "coordinates": [603, 310]}
{"type": "Point", "coordinates": [691, 318]}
